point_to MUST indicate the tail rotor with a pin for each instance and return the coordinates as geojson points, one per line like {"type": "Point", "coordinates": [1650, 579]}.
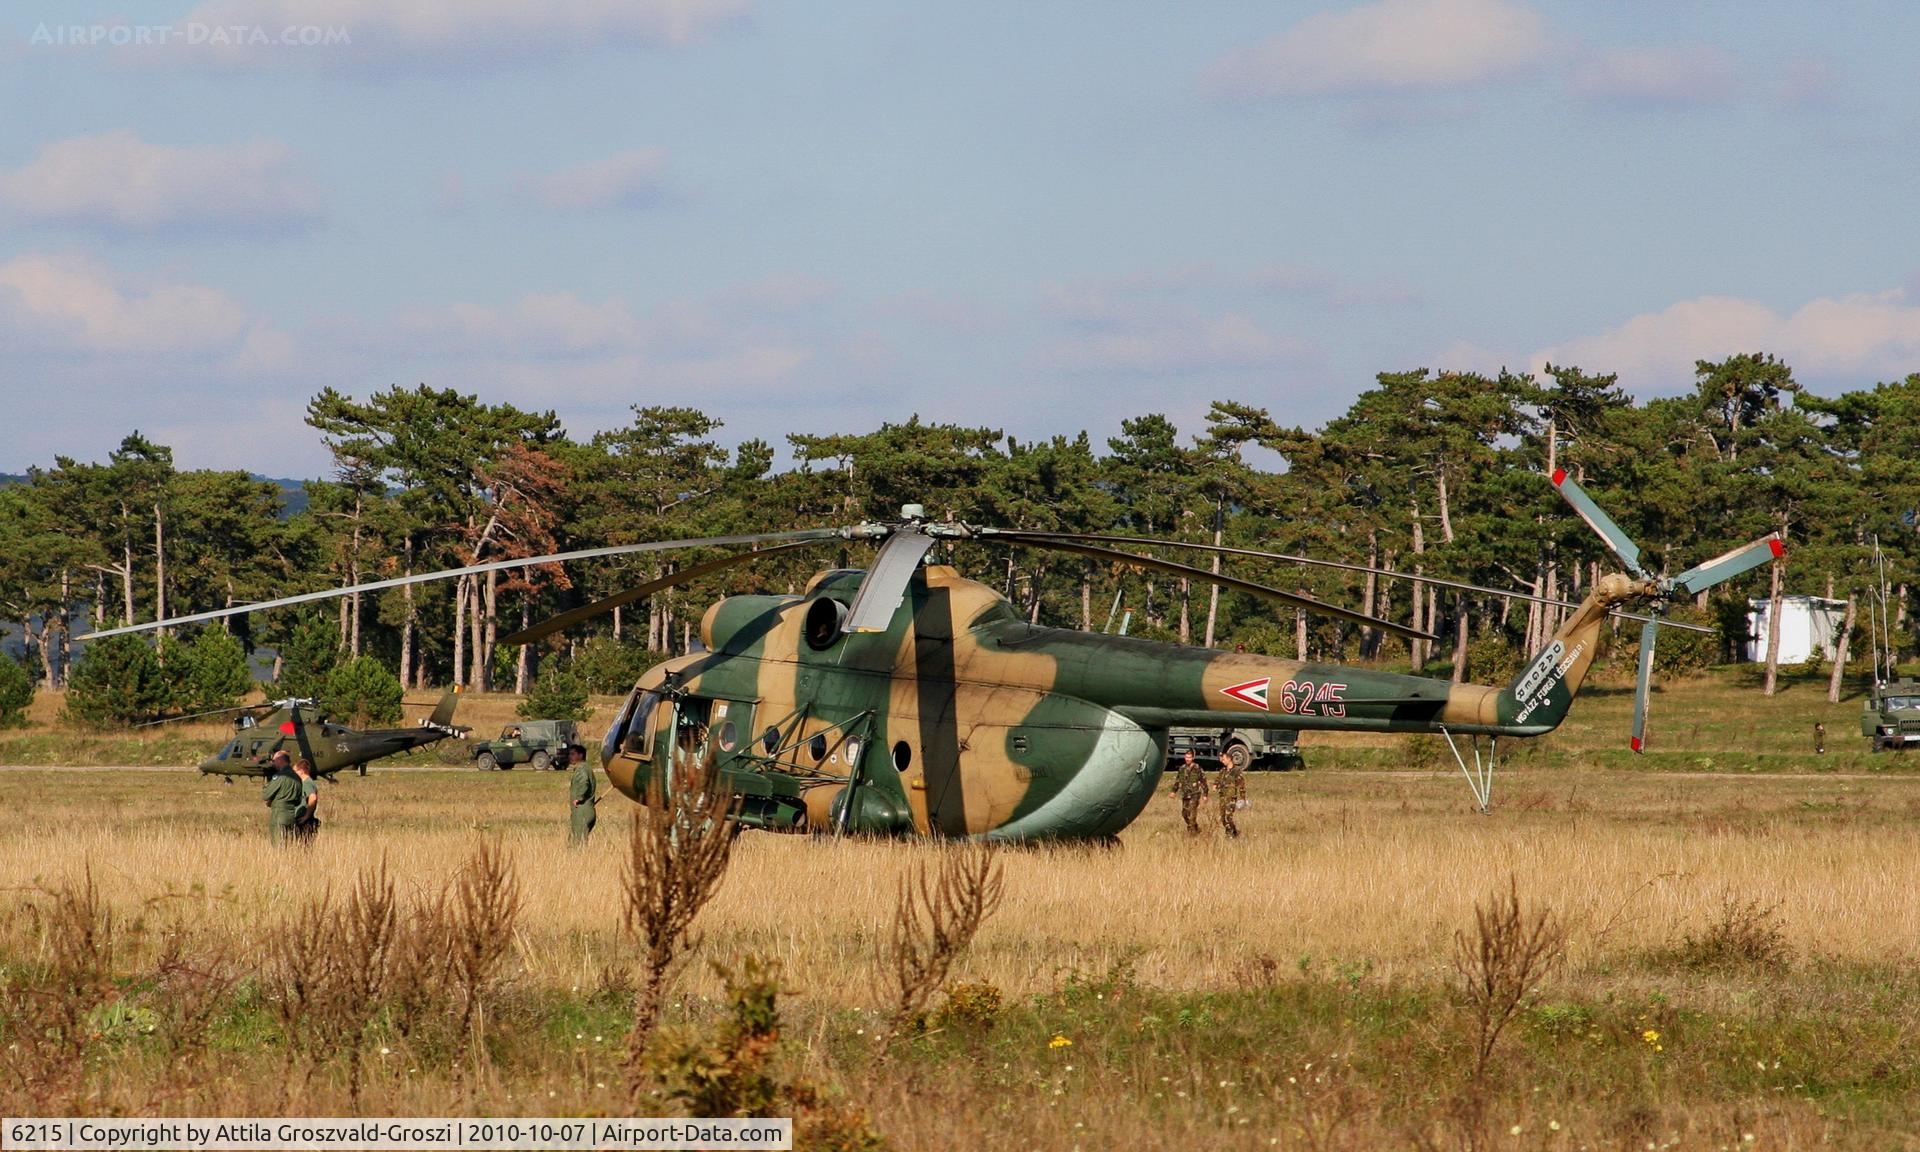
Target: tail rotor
{"type": "Point", "coordinates": [1662, 591]}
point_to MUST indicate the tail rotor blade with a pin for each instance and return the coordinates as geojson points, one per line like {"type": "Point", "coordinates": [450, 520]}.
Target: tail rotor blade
{"type": "Point", "coordinates": [1745, 558]}
{"type": "Point", "coordinates": [1599, 521]}
{"type": "Point", "coordinates": [1648, 632]}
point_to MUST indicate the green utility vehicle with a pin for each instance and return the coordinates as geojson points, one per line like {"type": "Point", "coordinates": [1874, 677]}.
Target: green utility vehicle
{"type": "Point", "coordinates": [541, 743]}
{"type": "Point", "coordinates": [1890, 715]}
{"type": "Point", "coordinates": [1271, 748]}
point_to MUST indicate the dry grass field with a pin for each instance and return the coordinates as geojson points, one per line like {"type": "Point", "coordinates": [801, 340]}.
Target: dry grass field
{"type": "Point", "coordinates": [1740, 965]}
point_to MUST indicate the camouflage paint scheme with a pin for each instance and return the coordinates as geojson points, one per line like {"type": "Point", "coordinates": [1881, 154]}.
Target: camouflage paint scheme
{"type": "Point", "coordinates": [963, 720]}
{"type": "Point", "coordinates": [332, 747]}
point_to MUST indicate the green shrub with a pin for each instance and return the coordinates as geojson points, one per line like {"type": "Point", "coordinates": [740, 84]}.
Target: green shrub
{"type": "Point", "coordinates": [308, 657]}
{"type": "Point", "coordinates": [16, 693]}
{"type": "Point", "coordinates": [363, 689]}
{"type": "Point", "coordinates": [559, 694]}
{"type": "Point", "coordinates": [968, 1008]}
{"type": "Point", "coordinates": [118, 680]}
{"type": "Point", "coordinates": [611, 666]}
{"type": "Point", "coordinates": [1493, 658]}
{"type": "Point", "coordinates": [209, 673]}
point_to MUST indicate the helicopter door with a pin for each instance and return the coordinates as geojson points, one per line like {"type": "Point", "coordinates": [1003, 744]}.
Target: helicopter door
{"type": "Point", "coordinates": [687, 741]}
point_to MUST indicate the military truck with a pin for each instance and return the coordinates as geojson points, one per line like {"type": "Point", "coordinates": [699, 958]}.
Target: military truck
{"type": "Point", "coordinates": [1890, 715]}
{"type": "Point", "coordinates": [539, 743]}
{"type": "Point", "coordinates": [1256, 748]}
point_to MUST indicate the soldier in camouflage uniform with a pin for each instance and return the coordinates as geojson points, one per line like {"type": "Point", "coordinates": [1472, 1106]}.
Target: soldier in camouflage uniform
{"type": "Point", "coordinates": [584, 791]}
{"type": "Point", "coordinates": [1191, 786]}
{"type": "Point", "coordinates": [1231, 791]}
{"type": "Point", "coordinates": [281, 793]}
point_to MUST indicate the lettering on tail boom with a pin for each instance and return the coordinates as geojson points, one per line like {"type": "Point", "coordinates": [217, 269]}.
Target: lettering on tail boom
{"type": "Point", "coordinates": [1296, 697]}
{"type": "Point", "coordinates": [1549, 668]}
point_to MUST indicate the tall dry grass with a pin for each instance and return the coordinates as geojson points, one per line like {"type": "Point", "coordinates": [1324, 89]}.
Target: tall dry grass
{"type": "Point", "coordinates": [1342, 868]}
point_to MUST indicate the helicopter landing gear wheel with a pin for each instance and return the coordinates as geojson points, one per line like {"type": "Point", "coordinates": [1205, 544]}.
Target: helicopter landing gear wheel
{"type": "Point", "coordinates": [486, 763]}
{"type": "Point", "coordinates": [1235, 757]}
{"type": "Point", "coordinates": [541, 761]}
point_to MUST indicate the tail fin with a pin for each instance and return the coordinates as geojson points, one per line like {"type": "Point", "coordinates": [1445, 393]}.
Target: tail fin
{"type": "Point", "coordinates": [1539, 697]}
{"type": "Point", "coordinates": [443, 712]}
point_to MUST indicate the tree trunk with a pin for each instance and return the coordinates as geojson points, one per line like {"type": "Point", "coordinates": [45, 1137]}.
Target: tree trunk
{"type": "Point", "coordinates": [1369, 592]}
{"type": "Point", "coordinates": [1840, 652]}
{"type": "Point", "coordinates": [476, 631]}
{"type": "Point", "coordinates": [1187, 628]}
{"type": "Point", "coordinates": [1300, 631]}
{"type": "Point", "coordinates": [460, 630]}
{"type": "Point", "coordinates": [520, 664]}
{"type": "Point", "coordinates": [493, 626]}
{"type": "Point", "coordinates": [353, 576]}
{"type": "Point", "coordinates": [126, 576]}
{"type": "Point", "coordinates": [1460, 638]}
{"type": "Point", "coordinates": [159, 569]}
{"type": "Point", "coordinates": [1417, 649]}
{"type": "Point", "coordinates": [1086, 599]}
{"type": "Point", "coordinates": [1213, 596]}
{"type": "Point", "coordinates": [407, 679]}
{"type": "Point", "coordinates": [1773, 634]}
{"type": "Point", "coordinates": [616, 624]}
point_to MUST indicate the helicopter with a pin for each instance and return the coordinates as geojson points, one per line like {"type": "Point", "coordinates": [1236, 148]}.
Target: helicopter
{"type": "Point", "coordinates": [908, 700]}
{"type": "Point", "coordinates": [299, 725]}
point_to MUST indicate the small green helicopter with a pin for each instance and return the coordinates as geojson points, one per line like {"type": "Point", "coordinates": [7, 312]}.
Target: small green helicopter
{"type": "Point", "coordinates": [300, 727]}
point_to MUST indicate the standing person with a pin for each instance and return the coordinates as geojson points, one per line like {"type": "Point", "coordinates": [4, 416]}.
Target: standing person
{"type": "Point", "coordinates": [281, 793]}
{"type": "Point", "coordinates": [1230, 791]}
{"type": "Point", "coordinates": [307, 820]}
{"type": "Point", "coordinates": [584, 791]}
{"type": "Point", "coordinates": [1191, 785]}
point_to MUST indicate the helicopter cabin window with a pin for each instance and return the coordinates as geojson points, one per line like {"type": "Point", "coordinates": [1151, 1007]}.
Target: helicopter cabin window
{"type": "Point", "coordinates": [637, 738]}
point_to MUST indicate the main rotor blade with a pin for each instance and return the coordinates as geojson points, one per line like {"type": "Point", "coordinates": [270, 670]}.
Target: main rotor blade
{"type": "Point", "coordinates": [1648, 632]}
{"type": "Point", "coordinates": [1291, 598]}
{"type": "Point", "coordinates": [573, 616]}
{"type": "Point", "coordinates": [886, 582]}
{"type": "Point", "coordinates": [1288, 558]}
{"type": "Point", "coordinates": [471, 569]}
{"type": "Point", "coordinates": [1600, 522]}
{"type": "Point", "coordinates": [1745, 558]}
{"type": "Point", "coordinates": [198, 715]}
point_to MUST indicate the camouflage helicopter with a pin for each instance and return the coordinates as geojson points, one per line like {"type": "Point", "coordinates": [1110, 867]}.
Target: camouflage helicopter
{"type": "Point", "coordinates": [908, 700]}
{"type": "Point", "coordinates": [299, 726]}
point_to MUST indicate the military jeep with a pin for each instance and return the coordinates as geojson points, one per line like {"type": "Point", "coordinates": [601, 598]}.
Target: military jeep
{"type": "Point", "coordinates": [1890, 715]}
{"type": "Point", "coordinates": [541, 743]}
{"type": "Point", "coordinates": [1256, 748]}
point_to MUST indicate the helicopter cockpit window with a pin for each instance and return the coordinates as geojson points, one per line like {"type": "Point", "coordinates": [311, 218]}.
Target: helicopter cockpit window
{"type": "Point", "coordinates": [639, 733]}
{"type": "Point", "coordinates": [617, 731]}
{"type": "Point", "coordinates": [232, 748]}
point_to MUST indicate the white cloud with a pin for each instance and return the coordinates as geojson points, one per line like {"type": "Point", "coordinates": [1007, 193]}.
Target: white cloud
{"type": "Point", "coordinates": [1174, 344]}
{"type": "Point", "coordinates": [626, 180]}
{"type": "Point", "coordinates": [119, 183]}
{"type": "Point", "coordinates": [431, 34]}
{"type": "Point", "coordinates": [1861, 335]}
{"type": "Point", "coordinates": [1657, 77]}
{"type": "Point", "coordinates": [1389, 46]}
{"type": "Point", "coordinates": [72, 305]}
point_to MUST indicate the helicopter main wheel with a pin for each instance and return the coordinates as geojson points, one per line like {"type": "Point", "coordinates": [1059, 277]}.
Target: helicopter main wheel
{"type": "Point", "coordinates": [1236, 756]}
{"type": "Point", "coordinates": [541, 761]}
{"type": "Point", "coordinates": [486, 763]}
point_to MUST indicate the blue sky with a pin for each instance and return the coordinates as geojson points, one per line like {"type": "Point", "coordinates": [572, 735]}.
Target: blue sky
{"type": "Point", "coordinates": [808, 217]}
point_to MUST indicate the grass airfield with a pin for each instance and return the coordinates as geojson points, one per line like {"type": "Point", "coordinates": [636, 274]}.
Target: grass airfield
{"type": "Point", "coordinates": [1752, 907]}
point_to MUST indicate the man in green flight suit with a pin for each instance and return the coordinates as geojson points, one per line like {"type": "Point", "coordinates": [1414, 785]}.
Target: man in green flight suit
{"type": "Point", "coordinates": [281, 792]}
{"type": "Point", "coordinates": [584, 791]}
